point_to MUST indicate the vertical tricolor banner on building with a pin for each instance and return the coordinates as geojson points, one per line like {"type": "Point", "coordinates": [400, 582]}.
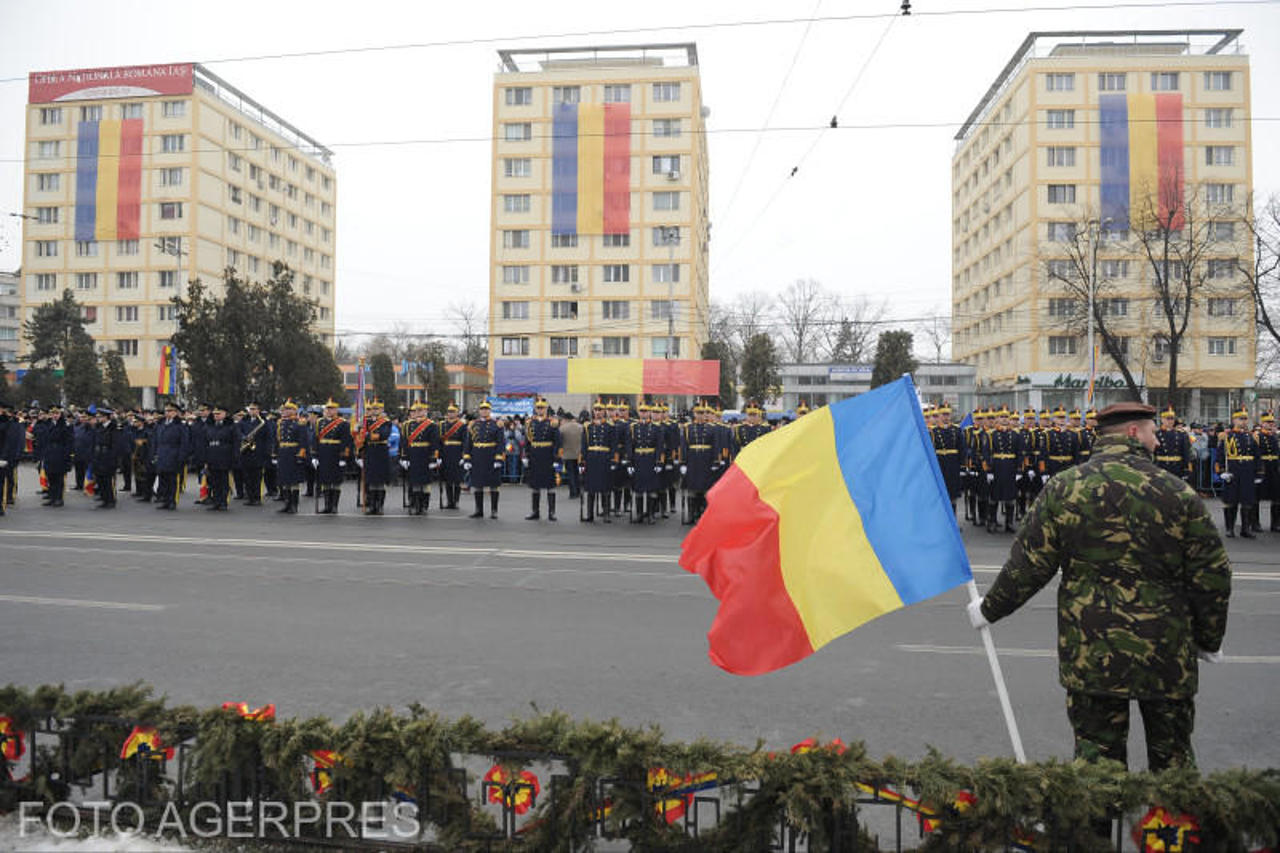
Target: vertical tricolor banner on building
{"type": "Point", "coordinates": [109, 179]}
{"type": "Point", "coordinates": [591, 169]}
{"type": "Point", "coordinates": [1142, 158]}
{"type": "Point", "coordinates": [168, 381]}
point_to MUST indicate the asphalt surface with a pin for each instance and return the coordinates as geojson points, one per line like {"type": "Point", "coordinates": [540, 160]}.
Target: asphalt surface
{"type": "Point", "coordinates": [328, 615]}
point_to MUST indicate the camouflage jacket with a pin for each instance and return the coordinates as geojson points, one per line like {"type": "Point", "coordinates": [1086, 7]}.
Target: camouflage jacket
{"type": "Point", "coordinates": [1145, 579]}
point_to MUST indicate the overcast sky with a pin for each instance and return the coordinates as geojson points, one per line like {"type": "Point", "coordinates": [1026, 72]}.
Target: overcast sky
{"type": "Point", "coordinates": [868, 212]}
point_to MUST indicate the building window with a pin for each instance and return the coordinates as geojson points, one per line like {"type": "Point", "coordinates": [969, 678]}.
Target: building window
{"type": "Point", "coordinates": [666, 92]}
{"type": "Point", "coordinates": [666, 127]}
{"type": "Point", "coordinates": [46, 248]}
{"type": "Point", "coordinates": [1062, 193]}
{"type": "Point", "coordinates": [517, 131]}
{"type": "Point", "coordinates": [46, 281]}
{"type": "Point", "coordinates": [1220, 268]}
{"type": "Point", "coordinates": [1112, 268]}
{"type": "Point", "coordinates": [566, 94]}
{"type": "Point", "coordinates": [1221, 306]}
{"type": "Point", "coordinates": [1222, 346]}
{"type": "Point", "coordinates": [233, 225]}
{"type": "Point", "coordinates": [170, 210]}
{"type": "Point", "coordinates": [561, 310]}
{"type": "Point", "coordinates": [126, 313]}
{"type": "Point", "coordinates": [518, 239]}
{"type": "Point", "coordinates": [1060, 82]}
{"type": "Point", "coordinates": [662, 309]}
{"type": "Point", "coordinates": [48, 181]}
{"type": "Point", "coordinates": [517, 167]}
{"type": "Point", "coordinates": [564, 241]}
{"type": "Point", "coordinates": [1060, 269]}
{"type": "Point", "coordinates": [1219, 193]}
{"type": "Point", "coordinates": [1062, 307]}
{"type": "Point", "coordinates": [616, 241]}
{"type": "Point", "coordinates": [515, 310]}
{"type": "Point", "coordinates": [173, 143]}
{"type": "Point", "coordinates": [86, 281]}
{"type": "Point", "coordinates": [617, 273]}
{"type": "Point", "coordinates": [666, 235]}
{"type": "Point", "coordinates": [515, 346]}
{"type": "Point", "coordinates": [86, 248]}
{"type": "Point", "coordinates": [233, 258]}
{"type": "Point", "coordinates": [173, 178]}
{"type": "Point", "coordinates": [173, 109]}
{"type": "Point", "coordinates": [1164, 81]}
{"type": "Point", "coordinates": [1223, 232]}
{"type": "Point", "coordinates": [666, 200]}
{"type": "Point", "coordinates": [1111, 82]}
{"type": "Point", "coordinates": [564, 346]}
{"type": "Point", "coordinates": [1161, 347]}
{"type": "Point", "coordinates": [130, 111]}
{"type": "Point", "coordinates": [1218, 117]}
{"type": "Point", "coordinates": [1217, 81]}
{"type": "Point", "coordinates": [50, 115]}
{"type": "Point", "coordinates": [168, 278]}
{"type": "Point", "coordinates": [47, 149]}
{"type": "Point", "coordinates": [612, 345]}
{"type": "Point", "coordinates": [564, 274]}
{"type": "Point", "coordinates": [665, 273]}
{"type": "Point", "coordinates": [665, 347]}
{"type": "Point", "coordinates": [1060, 119]}
{"type": "Point", "coordinates": [515, 275]}
{"type": "Point", "coordinates": [1062, 345]}
{"type": "Point", "coordinates": [666, 164]}
{"type": "Point", "coordinates": [127, 280]}
{"type": "Point", "coordinates": [1061, 155]}
{"type": "Point", "coordinates": [166, 313]}
{"type": "Point", "coordinates": [89, 313]}
{"type": "Point", "coordinates": [47, 215]}
{"type": "Point", "coordinates": [129, 347]}
{"type": "Point", "coordinates": [1169, 271]}
{"type": "Point", "coordinates": [233, 161]}
{"type": "Point", "coordinates": [617, 94]}
{"type": "Point", "coordinates": [91, 113]}
{"type": "Point", "coordinates": [612, 309]}
{"type": "Point", "coordinates": [516, 203]}
{"type": "Point", "coordinates": [519, 96]}
{"type": "Point", "coordinates": [1061, 232]}
{"type": "Point", "coordinates": [1114, 307]}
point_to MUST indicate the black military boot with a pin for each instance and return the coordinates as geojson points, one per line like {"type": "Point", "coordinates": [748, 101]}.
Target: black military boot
{"type": "Point", "coordinates": [1255, 518]}
{"type": "Point", "coordinates": [424, 502]}
{"type": "Point", "coordinates": [590, 501]}
{"type": "Point", "coordinates": [493, 503]}
{"type": "Point", "coordinates": [1275, 517]}
{"type": "Point", "coordinates": [479, 513]}
{"type": "Point", "coordinates": [285, 495]}
{"type": "Point", "coordinates": [993, 518]}
{"type": "Point", "coordinates": [1229, 521]}
{"type": "Point", "coordinates": [1247, 525]}
{"type": "Point", "coordinates": [535, 514]}
{"type": "Point", "coordinates": [1008, 518]}
{"type": "Point", "coordinates": [551, 506]}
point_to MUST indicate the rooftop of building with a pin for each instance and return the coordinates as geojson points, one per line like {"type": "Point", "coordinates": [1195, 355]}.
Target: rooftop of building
{"type": "Point", "coordinates": [224, 91]}
{"type": "Point", "coordinates": [1098, 43]}
{"type": "Point", "coordinates": [535, 60]}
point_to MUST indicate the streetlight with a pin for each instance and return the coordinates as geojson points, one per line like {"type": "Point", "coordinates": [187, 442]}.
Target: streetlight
{"type": "Point", "coordinates": [670, 239]}
{"type": "Point", "coordinates": [1095, 232]}
{"type": "Point", "coordinates": [174, 248]}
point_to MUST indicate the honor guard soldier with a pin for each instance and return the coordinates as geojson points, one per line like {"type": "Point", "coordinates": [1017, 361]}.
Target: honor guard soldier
{"type": "Point", "coordinates": [1173, 447]}
{"type": "Point", "coordinates": [221, 453]}
{"type": "Point", "coordinates": [419, 456]}
{"type": "Point", "coordinates": [1089, 434]}
{"type": "Point", "coordinates": [331, 447]}
{"type": "Point", "coordinates": [542, 461]}
{"type": "Point", "coordinates": [699, 454]}
{"type": "Point", "coordinates": [255, 451]}
{"type": "Point", "coordinates": [1062, 446]}
{"type": "Point", "coordinates": [599, 461]}
{"type": "Point", "coordinates": [482, 456]}
{"type": "Point", "coordinates": [671, 460]}
{"type": "Point", "coordinates": [291, 443]}
{"type": "Point", "coordinates": [979, 448]}
{"type": "Point", "coordinates": [56, 448]}
{"type": "Point", "coordinates": [745, 433]}
{"type": "Point", "coordinates": [1084, 437]}
{"type": "Point", "coordinates": [196, 463]}
{"type": "Point", "coordinates": [970, 469]}
{"type": "Point", "coordinates": [948, 445]}
{"type": "Point", "coordinates": [801, 410]}
{"type": "Point", "coordinates": [108, 443]}
{"type": "Point", "coordinates": [12, 436]}
{"type": "Point", "coordinates": [1240, 471]}
{"type": "Point", "coordinates": [1269, 456]}
{"type": "Point", "coordinates": [645, 449]}
{"type": "Point", "coordinates": [725, 449]}
{"type": "Point", "coordinates": [170, 449]}
{"type": "Point", "coordinates": [1004, 469]}
{"type": "Point", "coordinates": [617, 417]}
{"type": "Point", "coordinates": [452, 437]}
{"type": "Point", "coordinates": [375, 457]}
{"type": "Point", "coordinates": [1029, 482]}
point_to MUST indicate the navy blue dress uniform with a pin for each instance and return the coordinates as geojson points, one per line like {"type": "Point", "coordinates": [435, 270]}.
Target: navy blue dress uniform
{"type": "Point", "coordinates": [109, 441]}
{"type": "Point", "coordinates": [56, 451]}
{"type": "Point", "coordinates": [1173, 448]}
{"type": "Point", "coordinates": [621, 480]}
{"type": "Point", "coordinates": [1241, 469]}
{"type": "Point", "coordinates": [373, 446]}
{"type": "Point", "coordinates": [978, 447]}
{"type": "Point", "coordinates": [1269, 456]}
{"type": "Point", "coordinates": [948, 447]}
{"type": "Point", "coordinates": [220, 454]}
{"type": "Point", "coordinates": [170, 449]}
{"type": "Point", "coordinates": [291, 441]}
{"type": "Point", "coordinates": [453, 435]}
{"type": "Point", "coordinates": [12, 437]}
{"type": "Point", "coordinates": [124, 462]}
{"type": "Point", "coordinates": [83, 431]}
{"type": "Point", "coordinates": [256, 437]}
{"type": "Point", "coordinates": [725, 449]}
{"type": "Point", "coordinates": [671, 460]}
{"type": "Point", "coordinates": [196, 462]}
{"type": "Point", "coordinates": [646, 448]}
{"type": "Point", "coordinates": [1004, 462]}
{"type": "Point", "coordinates": [144, 471]}
{"type": "Point", "coordinates": [599, 461]}
{"type": "Point", "coordinates": [331, 447]}
{"type": "Point", "coordinates": [700, 449]}
{"type": "Point", "coordinates": [745, 433]}
{"type": "Point", "coordinates": [1061, 446]}
{"type": "Point", "coordinates": [1029, 482]}
{"type": "Point", "coordinates": [419, 456]}
{"type": "Point", "coordinates": [483, 456]}
{"type": "Point", "coordinates": [542, 461]}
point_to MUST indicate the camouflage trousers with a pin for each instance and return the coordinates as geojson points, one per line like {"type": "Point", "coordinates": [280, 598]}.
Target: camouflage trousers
{"type": "Point", "coordinates": [1101, 726]}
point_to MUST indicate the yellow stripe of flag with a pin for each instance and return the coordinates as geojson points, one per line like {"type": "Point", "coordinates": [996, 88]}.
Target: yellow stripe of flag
{"type": "Point", "coordinates": [108, 179]}
{"type": "Point", "coordinates": [1144, 158]}
{"type": "Point", "coordinates": [590, 169]}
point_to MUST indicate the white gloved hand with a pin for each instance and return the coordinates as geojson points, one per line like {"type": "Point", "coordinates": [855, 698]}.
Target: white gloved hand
{"type": "Point", "coordinates": [359, 463]}
{"type": "Point", "coordinates": [684, 469]}
{"type": "Point", "coordinates": [557, 467]}
{"type": "Point", "coordinates": [275, 461]}
{"type": "Point", "coordinates": [670, 467]}
{"type": "Point", "coordinates": [1044, 478]}
{"type": "Point", "coordinates": [630, 471]}
{"type": "Point", "coordinates": [657, 469]}
{"type": "Point", "coordinates": [434, 465]}
{"type": "Point", "coordinates": [524, 460]}
{"type": "Point", "coordinates": [404, 464]}
{"type": "Point", "coordinates": [1211, 657]}
{"type": "Point", "coordinates": [613, 467]}
{"type": "Point", "coordinates": [497, 464]}
{"type": "Point", "coordinates": [1228, 477]}
{"type": "Point", "coordinates": [4, 463]}
{"type": "Point", "coordinates": [315, 463]}
{"type": "Point", "coordinates": [1017, 478]}
{"type": "Point", "coordinates": [466, 466]}
{"type": "Point", "coordinates": [991, 478]}
{"type": "Point", "coordinates": [1257, 481]}
{"type": "Point", "coordinates": [976, 619]}
{"type": "Point", "coordinates": [342, 463]}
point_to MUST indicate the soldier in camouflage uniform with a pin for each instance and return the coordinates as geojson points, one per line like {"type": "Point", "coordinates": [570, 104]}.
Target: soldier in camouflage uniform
{"type": "Point", "coordinates": [1144, 590]}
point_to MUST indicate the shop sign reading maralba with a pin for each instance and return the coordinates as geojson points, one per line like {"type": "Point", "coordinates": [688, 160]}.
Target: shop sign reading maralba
{"type": "Point", "coordinates": [1067, 381]}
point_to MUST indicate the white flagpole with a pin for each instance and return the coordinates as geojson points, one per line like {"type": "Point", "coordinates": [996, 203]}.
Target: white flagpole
{"type": "Point", "coordinates": [1001, 691]}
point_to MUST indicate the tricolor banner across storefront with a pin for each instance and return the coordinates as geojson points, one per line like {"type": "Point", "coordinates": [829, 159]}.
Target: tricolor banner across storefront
{"type": "Point", "coordinates": [605, 376]}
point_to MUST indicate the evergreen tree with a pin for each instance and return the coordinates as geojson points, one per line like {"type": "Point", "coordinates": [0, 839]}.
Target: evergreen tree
{"type": "Point", "coordinates": [722, 351]}
{"type": "Point", "coordinates": [39, 386]}
{"type": "Point", "coordinates": [433, 372]}
{"type": "Point", "coordinates": [56, 338]}
{"type": "Point", "coordinates": [759, 370]}
{"type": "Point", "coordinates": [82, 378]}
{"type": "Point", "coordinates": [384, 381]}
{"type": "Point", "coordinates": [842, 348]}
{"type": "Point", "coordinates": [893, 358]}
{"type": "Point", "coordinates": [118, 392]}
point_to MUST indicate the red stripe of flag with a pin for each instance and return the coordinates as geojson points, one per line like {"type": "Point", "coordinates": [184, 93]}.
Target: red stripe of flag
{"type": "Point", "coordinates": [129, 188]}
{"type": "Point", "coordinates": [1169, 149]}
{"type": "Point", "coordinates": [617, 168]}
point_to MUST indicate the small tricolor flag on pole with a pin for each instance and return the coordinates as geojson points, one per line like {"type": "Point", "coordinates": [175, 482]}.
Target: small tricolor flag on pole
{"type": "Point", "coordinates": [168, 381]}
{"type": "Point", "coordinates": [821, 527]}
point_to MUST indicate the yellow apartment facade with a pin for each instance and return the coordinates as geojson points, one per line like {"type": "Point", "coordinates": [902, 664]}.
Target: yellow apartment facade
{"type": "Point", "coordinates": [1051, 176]}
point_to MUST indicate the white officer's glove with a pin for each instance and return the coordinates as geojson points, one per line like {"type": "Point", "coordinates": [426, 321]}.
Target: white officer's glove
{"type": "Point", "coordinates": [342, 463]}
{"type": "Point", "coordinates": [315, 463]}
{"type": "Point", "coordinates": [991, 478]}
{"type": "Point", "coordinates": [657, 469]}
{"type": "Point", "coordinates": [497, 464]}
{"type": "Point", "coordinates": [613, 467]}
{"type": "Point", "coordinates": [976, 619]}
{"type": "Point", "coordinates": [404, 464]}
{"type": "Point", "coordinates": [1257, 481]}
{"type": "Point", "coordinates": [273, 462]}
{"type": "Point", "coordinates": [1018, 478]}
{"type": "Point", "coordinates": [1044, 478]}
{"type": "Point", "coordinates": [359, 463]}
{"type": "Point", "coordinates": [630, 471]}
{"type": "Point", "coordinates": [670, 467]}
{"type": "Point", "coordinates": [557, 467]}
{"type": "Point", "coordinates": [1211, 657]}
{"type": "Point", "coordinates": [684, 469]}
{"type": "Point", "coordinates": [524, 460]}
{"type": "Point", "coordinates": [434, 465]}
{"type": "Point", "coordinates": [466, 466]}
{"type": "Point", "coordinates": [4, 463]}
{"type": "Point", "coordinates": [1228, 477]}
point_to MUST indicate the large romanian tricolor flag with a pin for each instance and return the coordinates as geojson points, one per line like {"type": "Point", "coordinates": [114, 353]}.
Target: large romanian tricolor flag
{"type": "Point", "coordinates": [591, 169]}
{"type": "Point", "coordinates": [109, 179]}
{"type": "Point", "coordinates": [822, 526]}
{"type": "Point", "coordinates": [1143, 173]}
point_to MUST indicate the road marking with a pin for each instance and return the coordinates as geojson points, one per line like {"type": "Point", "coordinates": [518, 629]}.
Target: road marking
{"type": "Point", "coordinates": [77, 602]}
{"type": "Point", "coordinates": [1048, 653]}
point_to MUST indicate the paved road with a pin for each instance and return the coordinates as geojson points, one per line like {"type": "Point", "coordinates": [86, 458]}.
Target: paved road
{"type": "Point", "coordinates": [333, 614]}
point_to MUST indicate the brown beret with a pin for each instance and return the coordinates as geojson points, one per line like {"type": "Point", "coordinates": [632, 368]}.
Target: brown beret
{"type": "Point", "coordinates": [1118, 413]}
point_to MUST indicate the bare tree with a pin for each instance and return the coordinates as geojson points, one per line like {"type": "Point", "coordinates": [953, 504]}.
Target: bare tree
{"type": "Point", "coordinates": [804, 309]}
{"type": "Point", "coordinates": [850, 336]}
{"type": "Point", "coordinates": [471, 325]}
{"type": "Point", "coordinates": [1263, 274]}
{"type": "Point", "coordinates": [752, 317]}
{"type": "Point", "coordinates": [720, 326]}
{"type": "Point", "coordinates": [935, 332]}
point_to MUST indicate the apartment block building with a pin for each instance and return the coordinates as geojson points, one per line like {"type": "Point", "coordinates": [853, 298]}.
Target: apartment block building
{"type": "Point", "coordinates": [139, 179]}
{"type": "Point", "coordinates": [1085, 143]}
